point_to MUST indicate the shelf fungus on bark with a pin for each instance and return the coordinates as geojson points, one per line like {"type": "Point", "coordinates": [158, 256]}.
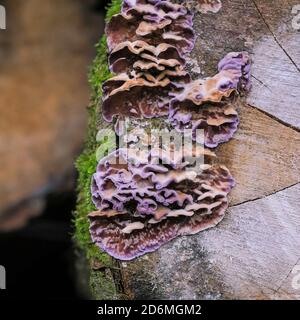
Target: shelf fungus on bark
{"type": "Point", "coordinates": [218, 121]}
{"type": "Point", "coordinates": [155, 22]}
{"type": "Point", "coordinates": [209, 104]}
{"type": "Point", "coordinates": [145, 200]}
{"type": "Point", "coordinates": [238, 66]}
{"type": "Point", "coordinates": [141, 95]}
{"type": "Point", "coordinates": [140, 56]}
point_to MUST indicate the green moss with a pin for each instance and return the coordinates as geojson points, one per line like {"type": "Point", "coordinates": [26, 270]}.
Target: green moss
{"type": "Point", "coordinates": [99, 71]}
{"type": "Point", "coordinates": [87, 162]}
{"type": "Point", "coordinates": [114, 8]}
{"type": "Point", "coordinates": [107, 291]}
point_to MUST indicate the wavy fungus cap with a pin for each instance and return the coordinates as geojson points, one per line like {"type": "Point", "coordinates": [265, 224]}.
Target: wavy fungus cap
{"type": "Point", "coordinates": [209, 104]}
{"type": "Point", "coordinates": [145, 200]}
{"type": "Point", "coordinates": [219, 122]}
{"type": "Point", "coordinates": [238, 64]}
{"type": "Point", "coordinates": [234, 74]}
{"type": "Point", "coordinates": [155, 22]}
{"type": "Point", "coordinates": [141, 96]}
{"type": "Point", "coordinates": [140, 56]}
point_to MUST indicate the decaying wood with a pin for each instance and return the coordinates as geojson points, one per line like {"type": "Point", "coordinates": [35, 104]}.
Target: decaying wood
{"type": "Point", "coordinates": [249, 255]}
{"type": "Point", "coordinates": [263, 157]}
{"type": "Point", "coordinates": [277, 81]}
{"type": "Point", "coordinates": [252, 253]}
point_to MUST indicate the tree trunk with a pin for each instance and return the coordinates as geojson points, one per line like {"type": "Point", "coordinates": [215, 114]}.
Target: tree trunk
{"type": "Point", "coordinates": [251, 254]}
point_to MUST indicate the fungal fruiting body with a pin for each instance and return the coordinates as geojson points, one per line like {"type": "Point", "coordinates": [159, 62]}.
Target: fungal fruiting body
{"type": "Point", "coordinates": [147, 42]}
{"type": "Point", "coordinates": [141, 96]}
{"type": "Point", "coordinates": [139, 55]}
{"type": "Point", "coordinates": [209, 104]}
{"type": "Point", "coordinates": [151, 79]}
{"type": "Point", "coordinates": [155, 22]}
{"type": "Point", "coordinates": [218, 122]}
{"type": "Point", "coordinates": [145, 200]}
{"type": "Point", "coordinates": [236, 65]}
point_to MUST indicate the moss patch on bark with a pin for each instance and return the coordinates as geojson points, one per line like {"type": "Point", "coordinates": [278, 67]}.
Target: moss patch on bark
{"type": "Point", "coordinates": [86, 166]}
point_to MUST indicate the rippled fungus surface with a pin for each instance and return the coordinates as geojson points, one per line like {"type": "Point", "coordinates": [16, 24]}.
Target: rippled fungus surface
{"type": "Point", "coordinates": [143, 96]}
{"type": "Point", "coordinates": [151, 79]}
{"type": "Point", "coordinates": [139, 55]}
{"type": "Point", "coordinates": [210, 104]}
{"type": "Point", "coordinates": [145, 200]}
{"type": "Point", "coordinates": [147, 45]}
{"type": "Point", "coordinates": [155, 22]}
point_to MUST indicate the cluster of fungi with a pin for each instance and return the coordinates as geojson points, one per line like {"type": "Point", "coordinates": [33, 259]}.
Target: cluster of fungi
{"type": "Point", "coordinates": [146, 198]}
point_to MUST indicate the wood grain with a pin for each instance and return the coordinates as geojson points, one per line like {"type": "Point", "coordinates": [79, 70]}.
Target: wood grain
{"type": "Point", "coordinates": [250, 255]}
{"type": "Point", "coordinates": [263, 156]}
{"type": "Point", "coordinates": [276, 82]}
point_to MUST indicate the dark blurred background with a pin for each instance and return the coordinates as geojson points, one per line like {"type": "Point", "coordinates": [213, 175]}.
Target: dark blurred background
{"type": "Point", "coordinates": [45, 53]}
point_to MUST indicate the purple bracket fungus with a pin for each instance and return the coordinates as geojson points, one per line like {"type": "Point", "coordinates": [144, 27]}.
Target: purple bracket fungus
{"type": "Point", "coordinates": [140, 56]}
{"type": "Point", "coordinates": [143, 96]}
{"type": "Point", "coordinates": [219, 121]}
{"type": "Point", "coordinates": [145, 44]}
{"type": "Point", "coordinates": [237, 64]}
{"type": "Point", "coordinates": [208, 103]}
{"type": "Point", "coordinates": [234, 75]}
{"type": "Point", "coordinates": [155, 22]}
{"type": "Point", "coordinates": [145, 201]}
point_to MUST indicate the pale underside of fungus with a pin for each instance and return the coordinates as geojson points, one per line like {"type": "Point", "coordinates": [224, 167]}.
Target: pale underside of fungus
{"type": "Point", "coordinates": [149, 199]}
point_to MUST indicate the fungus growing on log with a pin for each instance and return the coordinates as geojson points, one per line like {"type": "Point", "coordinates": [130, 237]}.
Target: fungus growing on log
{"type": "Point", "coordinates": [208, 104]}
{"type": "Point", "coordinates": [145, 200]}
{"type": "Point", "coordinates": [237, 66]}
{"type": "Point", "coordinates": [143, 96]}
{"type": "Point", "coordinates": [219, 121]}
{"type": "Point", "coordinates": [145, 44]}
{"type": "Point", "coordinates": [234, 75]}
{"type": "Point", "coordinates": [141, 56]}
{"type": "Point", "coordinates": [155, 22]}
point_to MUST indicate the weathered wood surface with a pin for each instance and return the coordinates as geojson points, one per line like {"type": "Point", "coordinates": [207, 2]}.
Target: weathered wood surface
{"type": "Point", "coordinates": [252, 253]}
{"type": "Point", "coordinates": [249, 255]}
{"type": "Point", "coordinates": [263, 157]}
